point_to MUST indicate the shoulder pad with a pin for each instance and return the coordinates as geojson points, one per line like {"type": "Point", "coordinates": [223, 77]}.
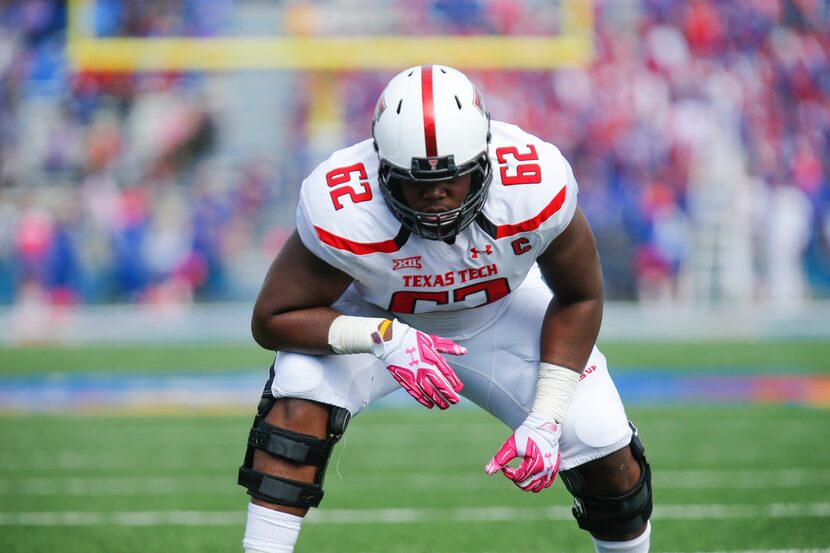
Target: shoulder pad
{"type": "Point", "coordinates": [533, 187]}
{"type": "Point", "coordinates": [342, 209]}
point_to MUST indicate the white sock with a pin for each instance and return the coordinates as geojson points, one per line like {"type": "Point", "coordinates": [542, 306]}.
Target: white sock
{"type": "Point", "coordinates": [637, 545]}
{"type": "Point", "coordinates": [270, 531]}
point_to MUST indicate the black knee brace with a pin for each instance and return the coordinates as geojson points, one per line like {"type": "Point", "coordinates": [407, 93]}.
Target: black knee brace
{"type": "Point", "coordinates": [619, 515]}
{"type": "Point", "coordinates": [300, 448]}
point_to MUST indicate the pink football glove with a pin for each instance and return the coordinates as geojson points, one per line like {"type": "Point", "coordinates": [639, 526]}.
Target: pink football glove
{"type": "Point", "coordinates": [414, 359]}
{"type": "Point", "coordinates": [536, 441]}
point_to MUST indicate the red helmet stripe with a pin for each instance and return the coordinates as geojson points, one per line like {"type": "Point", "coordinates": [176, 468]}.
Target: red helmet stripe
{"type": "Point", "coordinates": [429, 111]}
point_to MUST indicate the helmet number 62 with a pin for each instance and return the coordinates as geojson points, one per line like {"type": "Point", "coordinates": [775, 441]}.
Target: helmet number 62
{"type": "Point", "coordinates": [343, 175]}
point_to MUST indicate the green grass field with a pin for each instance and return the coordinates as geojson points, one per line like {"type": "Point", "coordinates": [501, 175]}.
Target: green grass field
{"type": "Point", "coordinates": [727, 477]}
{"type": "Point", "coordinates": [808, 356]}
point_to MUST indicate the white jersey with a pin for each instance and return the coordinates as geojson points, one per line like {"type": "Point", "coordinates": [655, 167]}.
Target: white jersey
{"type": "Point", "coordinates": [343, 218]}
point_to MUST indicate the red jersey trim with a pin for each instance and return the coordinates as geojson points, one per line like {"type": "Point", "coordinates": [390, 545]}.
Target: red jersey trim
{"type": "Point", "coordinates": [503, 231]}
{"type": "Point", "coordinates": [358, 248]}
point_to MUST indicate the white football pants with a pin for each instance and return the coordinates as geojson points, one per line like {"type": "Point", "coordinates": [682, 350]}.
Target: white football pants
{"type": "Point", "coordinates": [499, 372]}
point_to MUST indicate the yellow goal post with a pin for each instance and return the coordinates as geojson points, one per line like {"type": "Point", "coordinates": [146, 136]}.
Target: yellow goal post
{"type": "Point", "coordinates": [573, 46]}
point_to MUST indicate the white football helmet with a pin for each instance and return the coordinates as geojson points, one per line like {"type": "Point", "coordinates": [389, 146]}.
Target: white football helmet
{"type": "Point", "coordinates": [431, 124]}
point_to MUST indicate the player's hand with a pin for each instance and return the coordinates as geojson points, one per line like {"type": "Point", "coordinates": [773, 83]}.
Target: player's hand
{"type": "Point", "coordinates": [414, 359]}
{"type": "Point", "coordinates": [536, 443]}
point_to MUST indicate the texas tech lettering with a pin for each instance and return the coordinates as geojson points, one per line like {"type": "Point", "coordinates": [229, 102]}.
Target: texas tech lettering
{"type": "Point", "coordinates": [429, 281]}
{"type": "Point", "coordinates": [474, 273]}
{"type": "Point", "coordinates": [450, 277]}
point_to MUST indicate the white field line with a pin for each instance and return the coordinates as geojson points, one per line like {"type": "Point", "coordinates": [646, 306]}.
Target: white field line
{"type": "Point", "coordinates": [671, 479]}
{"type": "Point", "coordinates": [117, 486]}
{"type": "Point", "coordinates": [772, 551]}
{"type": "Point", "coordinates": [404, 515]}
{"type": "Point", "coordinates": [156, 486]}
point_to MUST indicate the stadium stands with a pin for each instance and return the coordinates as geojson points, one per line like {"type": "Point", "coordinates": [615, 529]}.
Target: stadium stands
{"type": "Point", "coordinates": [700, 135]}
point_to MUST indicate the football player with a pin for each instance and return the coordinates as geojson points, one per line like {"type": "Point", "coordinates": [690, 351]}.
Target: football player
{"type": "Point", "coordinates": [447, 255]}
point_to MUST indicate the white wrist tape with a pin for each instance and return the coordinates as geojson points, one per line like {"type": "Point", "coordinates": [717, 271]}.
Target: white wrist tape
{"type": "Point", "coordinates": [554, 390]}
{"type": "Point", "coordinates": [349, 334]}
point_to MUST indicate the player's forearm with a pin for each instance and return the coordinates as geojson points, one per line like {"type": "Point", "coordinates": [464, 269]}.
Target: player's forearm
{"type": "Point", "coordinates": [301, 330]}
{"type": "Point", "coordinates": [569, 332]}
{"type": "Point", "coordinates": [319, 331]}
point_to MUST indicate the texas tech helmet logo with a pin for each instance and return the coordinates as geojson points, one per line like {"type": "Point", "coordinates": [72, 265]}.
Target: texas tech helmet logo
{"type": "Point", "coordinates": [380, 107]}
{"type": "Point", "coordinates": [439, 165]}
{"type": "Point", "coordinates": [478, 102]}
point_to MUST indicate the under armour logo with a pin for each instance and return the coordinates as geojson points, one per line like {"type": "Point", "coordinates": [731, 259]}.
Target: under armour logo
{"type": "Point", "coordinates": [413, 360]}
{"type": "Point", "coordinates": [488, 249]}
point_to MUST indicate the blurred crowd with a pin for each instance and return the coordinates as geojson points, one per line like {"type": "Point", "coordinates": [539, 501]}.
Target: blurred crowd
{"type": "Point", "coordinates": [700, 136]}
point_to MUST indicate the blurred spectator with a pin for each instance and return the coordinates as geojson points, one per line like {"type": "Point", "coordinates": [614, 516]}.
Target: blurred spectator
{"type": "Point", "coordinates": [790, 224]}
{"type": "Point", "coordinates": [122, 187]}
